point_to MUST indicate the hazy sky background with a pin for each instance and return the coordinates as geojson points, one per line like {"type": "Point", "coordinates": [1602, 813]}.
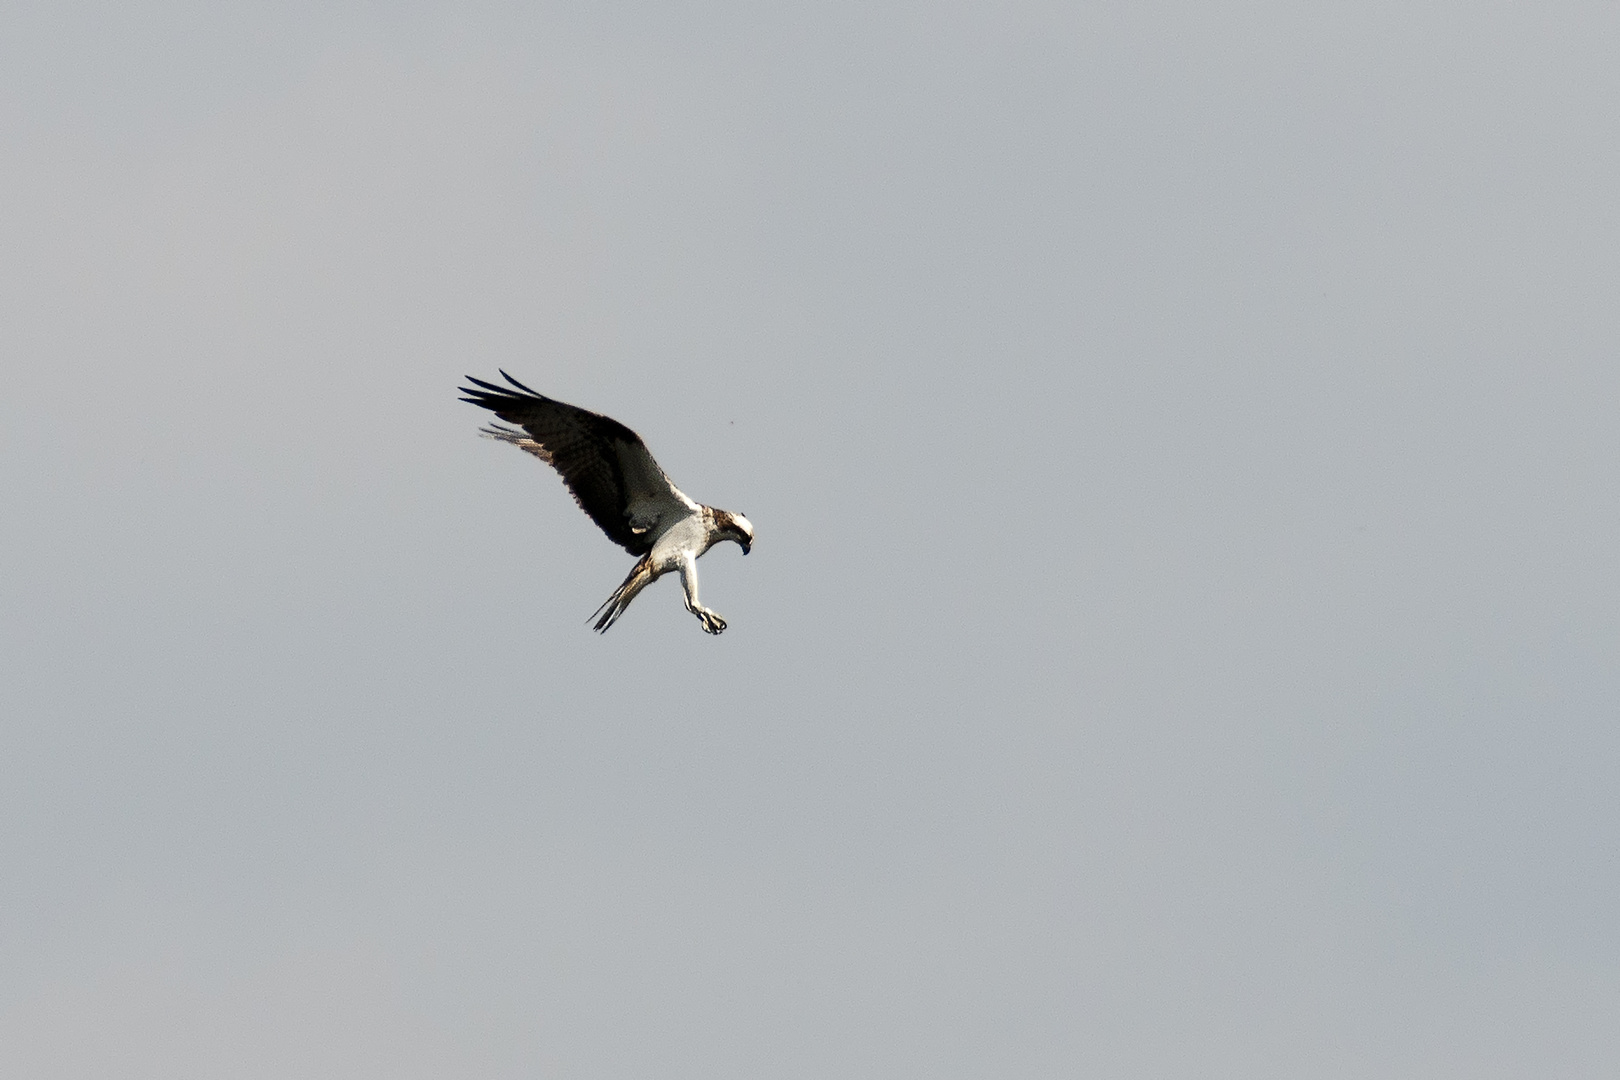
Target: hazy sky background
{"type": "Point", "coordinates": [1182, 634]}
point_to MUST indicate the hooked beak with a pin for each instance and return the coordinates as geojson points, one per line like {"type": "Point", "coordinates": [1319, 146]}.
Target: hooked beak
{"type": "Point", "coordinates": [747, 547]}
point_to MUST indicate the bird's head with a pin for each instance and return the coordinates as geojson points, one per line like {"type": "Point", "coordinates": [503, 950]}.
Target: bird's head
{"type": "Point", "coordinates": [738, 528]}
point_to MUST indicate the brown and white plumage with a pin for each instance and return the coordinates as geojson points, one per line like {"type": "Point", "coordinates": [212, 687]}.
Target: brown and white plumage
{"type": "Point", "coordinates": [614, 479]}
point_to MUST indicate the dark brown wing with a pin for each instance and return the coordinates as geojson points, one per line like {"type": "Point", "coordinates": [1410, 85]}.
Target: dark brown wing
{"type": "Point", "coordinates": [606, 466]}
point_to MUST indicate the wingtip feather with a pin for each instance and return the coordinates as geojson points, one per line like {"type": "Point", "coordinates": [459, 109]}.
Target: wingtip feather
{"type": "Point", "coordinates": [517, 384]}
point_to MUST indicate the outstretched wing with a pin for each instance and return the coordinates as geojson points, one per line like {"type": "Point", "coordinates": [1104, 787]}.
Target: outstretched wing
{"type": "Point", "coordinates": [606, 466]}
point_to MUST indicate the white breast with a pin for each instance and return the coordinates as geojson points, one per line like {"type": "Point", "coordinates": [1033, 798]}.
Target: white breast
{"type": "Point", "coordinates": [686, 539]}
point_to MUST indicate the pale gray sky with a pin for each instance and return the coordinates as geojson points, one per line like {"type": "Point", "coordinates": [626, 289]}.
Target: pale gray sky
{"type": "Point", "coordinates": [1182, 634]}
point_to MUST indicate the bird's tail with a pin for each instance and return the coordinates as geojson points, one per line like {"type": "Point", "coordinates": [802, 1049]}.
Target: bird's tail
{"type": "Point", "coordinates": [641, 576]}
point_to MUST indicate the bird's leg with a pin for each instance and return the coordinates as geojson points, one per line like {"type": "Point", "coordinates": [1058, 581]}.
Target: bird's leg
{"type": "Point", "coordinates": [712, 623]}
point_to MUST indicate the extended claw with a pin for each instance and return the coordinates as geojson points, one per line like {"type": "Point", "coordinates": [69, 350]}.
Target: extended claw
{"type": "Point", "coordinates": [712, 623]}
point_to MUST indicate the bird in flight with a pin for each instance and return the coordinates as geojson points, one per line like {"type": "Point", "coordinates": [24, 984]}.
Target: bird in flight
{"type": "Point", "coordinates": [613, 477]}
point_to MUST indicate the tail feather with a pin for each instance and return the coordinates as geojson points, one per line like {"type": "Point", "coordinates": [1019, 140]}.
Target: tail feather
{"type": "Point", "coordinates": [641, 576]}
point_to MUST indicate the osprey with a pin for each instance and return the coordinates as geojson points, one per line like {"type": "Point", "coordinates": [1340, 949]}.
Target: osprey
{"type": "Point", "coordinates": [615, 480]}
